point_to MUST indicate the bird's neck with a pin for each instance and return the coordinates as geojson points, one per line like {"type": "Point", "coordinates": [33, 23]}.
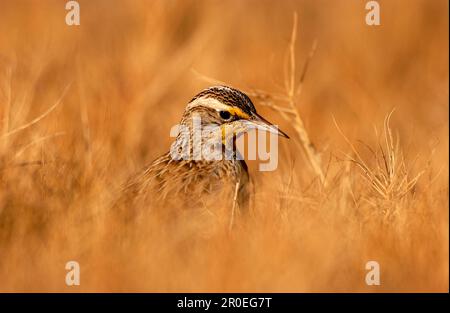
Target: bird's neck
{"type": "Point", "coordinates": [209, 144]}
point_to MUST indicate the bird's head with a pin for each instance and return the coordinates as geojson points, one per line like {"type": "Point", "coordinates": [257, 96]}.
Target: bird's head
{"type": "Point", "coordinates": [229, 109]}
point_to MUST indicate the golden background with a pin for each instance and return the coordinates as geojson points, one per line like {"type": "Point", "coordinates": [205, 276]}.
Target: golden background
{"type": "Point", "coordinates": [83, 107]}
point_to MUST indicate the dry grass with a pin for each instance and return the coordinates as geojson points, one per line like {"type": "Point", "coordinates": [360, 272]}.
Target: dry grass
{"type": "Point", "coordinates": [83, 108]}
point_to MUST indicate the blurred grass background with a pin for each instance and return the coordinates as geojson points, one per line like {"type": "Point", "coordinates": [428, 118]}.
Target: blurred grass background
{"type": "Point", "coordinates": [129, 70]}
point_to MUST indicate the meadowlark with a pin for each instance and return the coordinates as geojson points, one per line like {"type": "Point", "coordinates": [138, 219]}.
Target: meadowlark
{"type": "Point", "coordinates": [207, 170]}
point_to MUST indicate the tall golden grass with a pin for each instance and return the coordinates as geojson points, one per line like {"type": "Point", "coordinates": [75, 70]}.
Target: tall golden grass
{"type": "Point", "coordinates": [364, 176]}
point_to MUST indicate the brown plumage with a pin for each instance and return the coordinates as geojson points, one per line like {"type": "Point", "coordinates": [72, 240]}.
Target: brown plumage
{"type": "Point", "coordinates": [190, 177]}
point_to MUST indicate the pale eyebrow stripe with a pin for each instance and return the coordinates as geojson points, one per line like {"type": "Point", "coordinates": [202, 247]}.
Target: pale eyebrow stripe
{"type": "Point", "coordinates": [208, 102]}
{"type": "Point", "coordinates": [217, 105]}
{"type": "Point", "coordinates": [237, 111]}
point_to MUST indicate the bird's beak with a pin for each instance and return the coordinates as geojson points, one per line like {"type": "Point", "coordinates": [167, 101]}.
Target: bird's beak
{"type": "Point", "coordinates": [259, 122]}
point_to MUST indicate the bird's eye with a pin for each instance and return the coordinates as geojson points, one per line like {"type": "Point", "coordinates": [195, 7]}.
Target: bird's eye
{"type": "Point", "coordinates": [225, 115]}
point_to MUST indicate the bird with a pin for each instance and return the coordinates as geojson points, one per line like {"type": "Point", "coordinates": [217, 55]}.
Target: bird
{"type": "Point", "coordinates": [203, 167]}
